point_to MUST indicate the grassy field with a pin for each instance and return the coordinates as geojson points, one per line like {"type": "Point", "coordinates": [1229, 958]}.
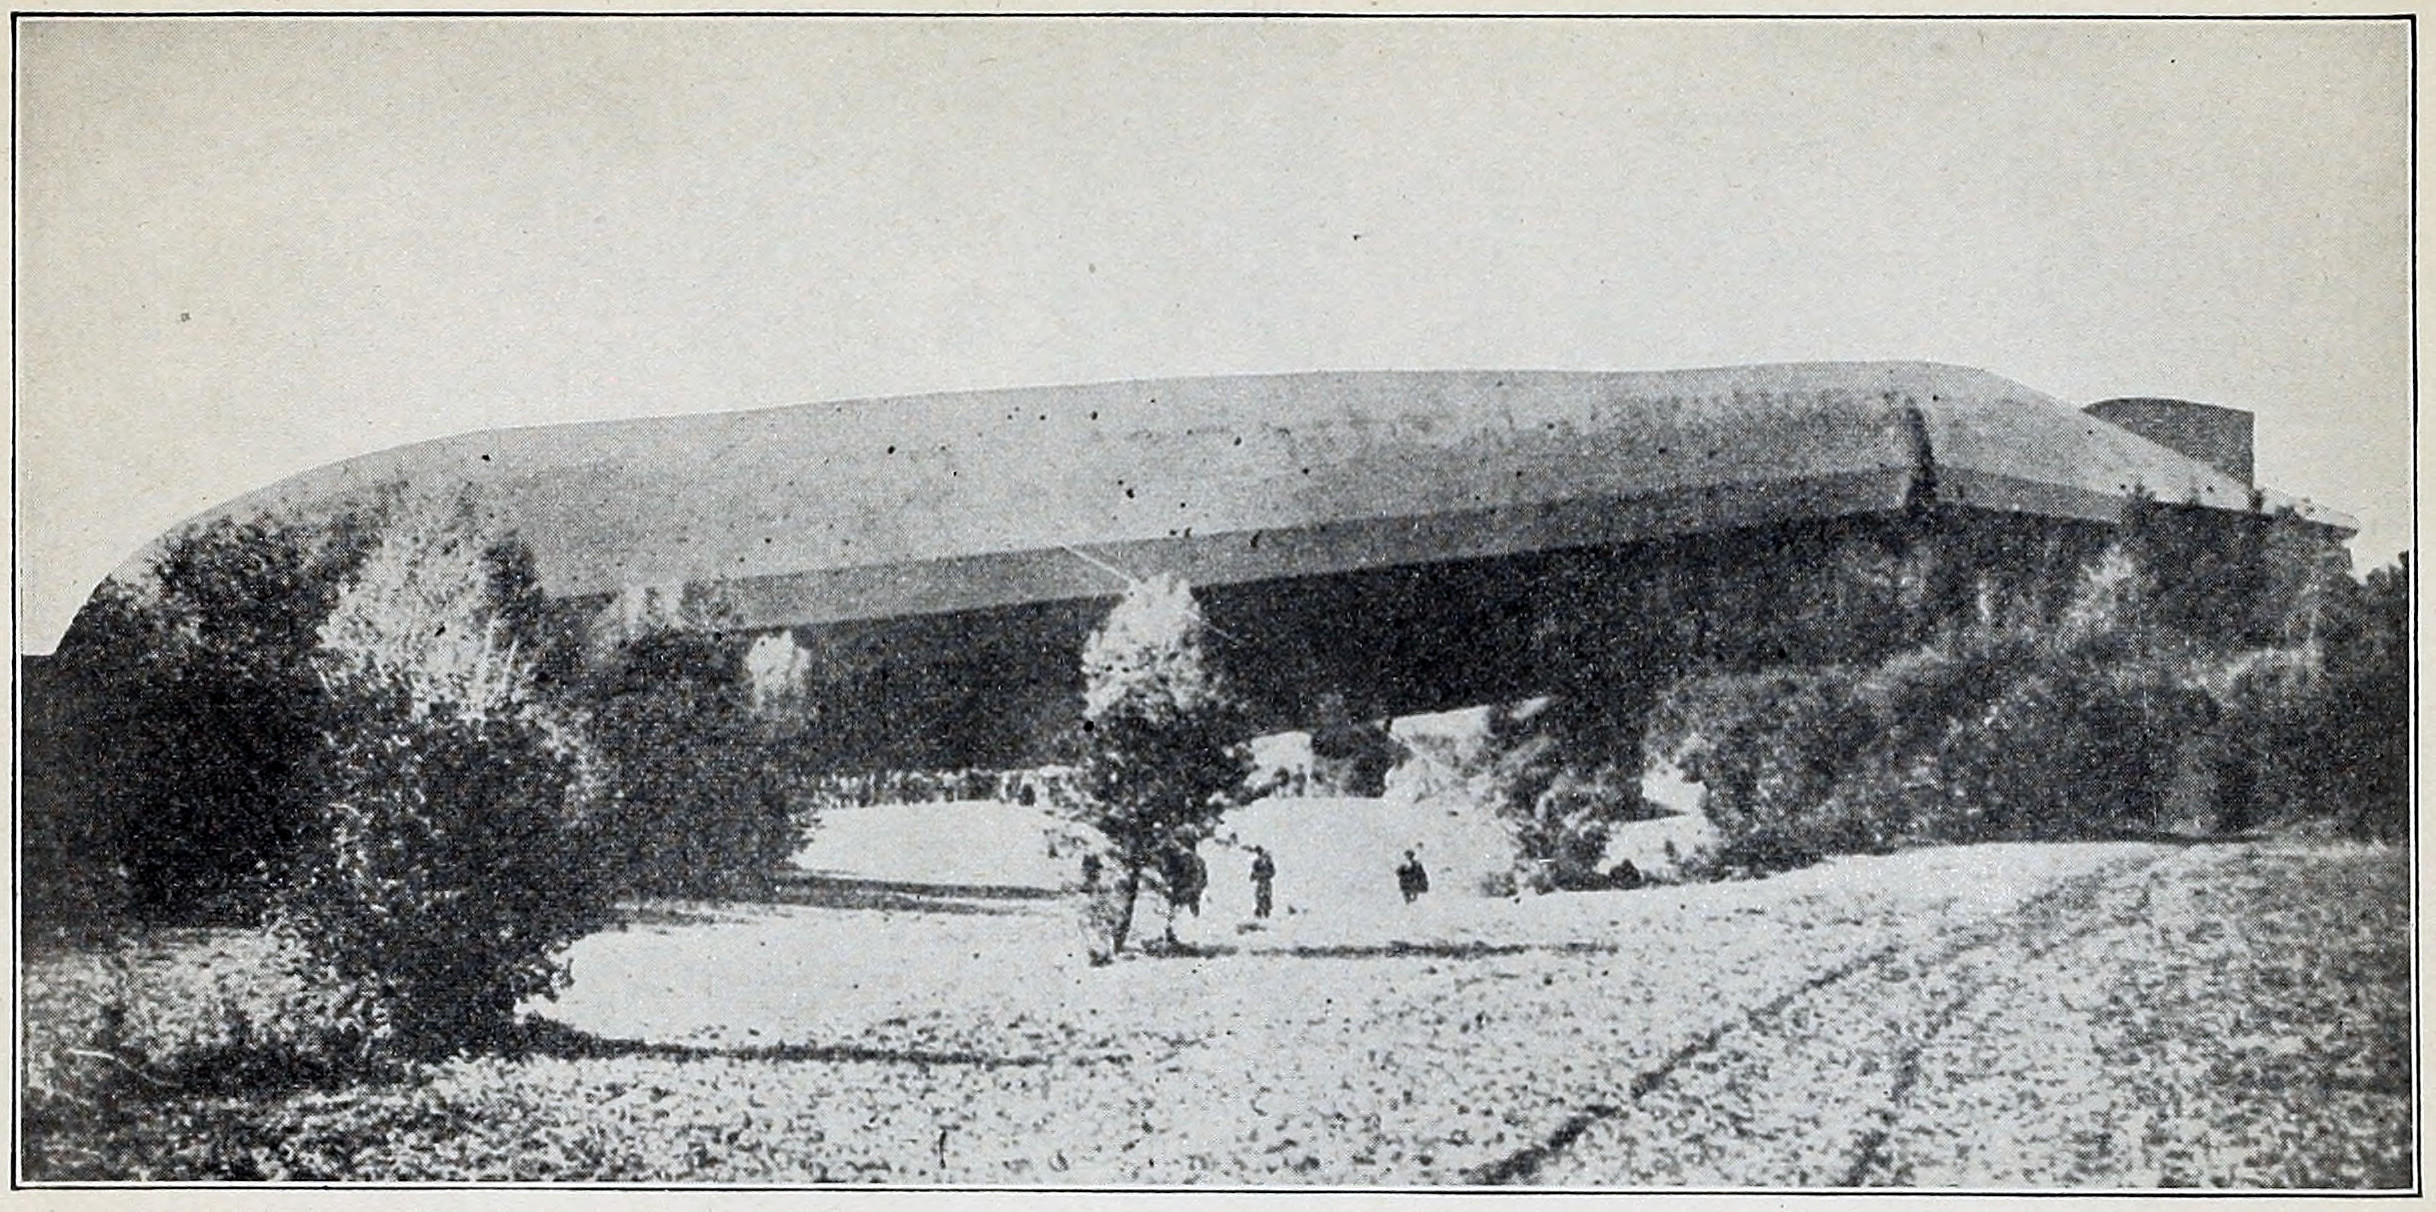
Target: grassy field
{"type": "Point", "coordinates": [2117, 1015]}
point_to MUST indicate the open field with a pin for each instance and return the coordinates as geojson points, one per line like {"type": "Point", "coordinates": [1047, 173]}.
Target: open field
{"type": "Point", "coordinates": [2109, 1015]}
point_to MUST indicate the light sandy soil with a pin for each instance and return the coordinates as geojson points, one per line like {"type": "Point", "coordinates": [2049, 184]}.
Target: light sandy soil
{"type": "Point", "coordinates": [2116, 1015]}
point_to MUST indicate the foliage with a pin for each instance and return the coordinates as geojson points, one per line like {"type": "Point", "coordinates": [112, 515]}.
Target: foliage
{"type": "Point", "coordinates": [2202, 571]}
{"type": "Point", "coordinates": [2202, 653]}
{"type": "Point", "coordinates": [2070, 747]}
{"type": "Point", "coordinates": [1163, 735]}
{"type": "Point", "coordinates": [1619, 632]}
{"type": "Point", "coordinates": [2321, 728]}
{"type": "Point", "coordinates": [1352, 756]}
{"type": "Point", "coordinates": [1558, 818]}
{"type": "Point", "coordinates": [1992, 731]}
{"type": "Point", "coordinates": [698, 802]}
{"type": "Point", "coordinates": [1053, 786]}
{"type": "Point", "coordinates": [110, 1028]}
{"type": "Point", "coordinates": [451, 857]}
{"type": "Point", "coordinates": [2370, 694]}
{"type": "Point", "coordinates": [167, 761]}
{"type": "Point", "coordinates": [1771, 748]}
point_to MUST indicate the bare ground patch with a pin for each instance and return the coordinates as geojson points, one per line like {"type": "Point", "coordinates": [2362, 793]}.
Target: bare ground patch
{"type": "Point", "coordinates": [1957, 1016]}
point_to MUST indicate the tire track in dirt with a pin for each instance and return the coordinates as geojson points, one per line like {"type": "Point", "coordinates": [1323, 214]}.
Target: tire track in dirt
{"type": "Point", "coordinates": [1524, 1164]}
{"type": "Point", "coordinates": [2196, 1038]}
{"type": "Point", "coordinates": [2037, 928]}
{"type": "Point", "coordinates": [1736, 1046]}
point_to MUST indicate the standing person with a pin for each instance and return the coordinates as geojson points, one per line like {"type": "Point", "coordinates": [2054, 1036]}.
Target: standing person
{"type": "Point", "coordinates": [1264, 873]}
{"type": "Point", "coordinates": [1186, 876]}
{"type": "Point", "coordinates": [1412, 879]}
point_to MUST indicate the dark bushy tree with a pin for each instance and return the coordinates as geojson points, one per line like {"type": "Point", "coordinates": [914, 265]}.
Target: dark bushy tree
{"type": "Point", "coordinates": [2039, 685]}
{"type": "Point", "coordinates": [451, 869]}
{"type": "Point", "coordinates": [451, 857]}
{"type": "Point", "coordinates": [2071, 748]}
{"type": "Point", "coordinates": [698, 782]}
{"type": "Point", "coordinates": [170, 773]}
{"type": "Point", "coordinates": [2320, 728]}
{"type": "Point", "coordinates": [1771, 748]}
{"type": "Point", "coordinates": [1163, 752]}
{"type": "Point", "coordinates": [1557, 816]}
{"type": "Point", "coordinates": [2078, 727]}
{"type": "Point", "coordinates": [2204, 571]}
{"type": "Point", "coordinates": [2371, 686]}
{"type": "Point", "coordinates": [1351, 756]}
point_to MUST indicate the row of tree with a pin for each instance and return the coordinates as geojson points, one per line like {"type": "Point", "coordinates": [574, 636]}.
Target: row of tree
{"type": "Point", "coordinates": [374, 733]}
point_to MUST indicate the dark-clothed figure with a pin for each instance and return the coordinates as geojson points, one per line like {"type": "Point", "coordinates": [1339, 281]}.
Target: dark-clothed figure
{"type": "Point", "coordinates": [1185, 875]}
{"type": "Point", "coordinates": [1264, 873]}
{"type": "Point", "coordinates": [1412, 879]}
{"type": "Point", "coordinates": [1189, 875]}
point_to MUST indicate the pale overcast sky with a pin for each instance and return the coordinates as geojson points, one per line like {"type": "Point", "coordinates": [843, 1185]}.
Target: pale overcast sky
{"type": "Point", "coordinates": [250, 247]}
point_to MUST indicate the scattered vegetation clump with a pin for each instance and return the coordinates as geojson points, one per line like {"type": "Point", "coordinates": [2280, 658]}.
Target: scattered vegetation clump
{"type": "Point", "coordinates": [1163, 750]}
{"type": "Point", "coordinates": [1351, 756]}
{"type": "Point", "coordinates": [112, 1030]}
{"type": "Point", "coordinates": [1558, 818]}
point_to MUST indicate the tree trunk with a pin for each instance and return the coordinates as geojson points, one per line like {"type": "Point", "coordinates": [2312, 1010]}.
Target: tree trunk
{"type": "Point", "coordinates": [1124, 921]}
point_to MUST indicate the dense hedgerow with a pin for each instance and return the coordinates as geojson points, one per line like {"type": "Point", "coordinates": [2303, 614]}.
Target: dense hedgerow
{"type": "Point", "coordinates": [2322, 728]}
{"type": "Point", "coordinates": [1992, 732]}
{"type": "Point", "coordinates": [2112, 717]}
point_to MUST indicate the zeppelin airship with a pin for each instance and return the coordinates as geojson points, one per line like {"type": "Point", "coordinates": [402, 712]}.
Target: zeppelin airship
{"type": "Point", "coordinates": [1386, 542]}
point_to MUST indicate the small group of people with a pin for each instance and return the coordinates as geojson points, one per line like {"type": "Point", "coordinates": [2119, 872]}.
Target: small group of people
{"type": "Point", "coordinates": [1189, 876]}
{"type": "Point", "coordinates": [1185, 877]}
{"type": "Point", "coordinates": [1412, 879]}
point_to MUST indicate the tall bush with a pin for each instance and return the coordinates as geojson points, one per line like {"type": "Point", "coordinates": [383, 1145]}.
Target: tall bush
{"type": "Point", "coordinates": [1163, 750]}
{"type": "Point", "coordinates": [1557, 816]}
{"type": "Point", "coordinates": [698, 784]}
{"type": "Point", "coordinates": [2071, 747]}
{"type": "Point", "coordinates": [1771, 749]}
{"type": "Point", "coordinates": [2319, 727]}
{"type": "Point", "coordinates": [2089, 691]}
{"type": "Point", "coordinates": [451, 855]}
{"type": "Point", "coordinates": [167, 766]}
{"type": "Point", "coordinates": [2076, 728]}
